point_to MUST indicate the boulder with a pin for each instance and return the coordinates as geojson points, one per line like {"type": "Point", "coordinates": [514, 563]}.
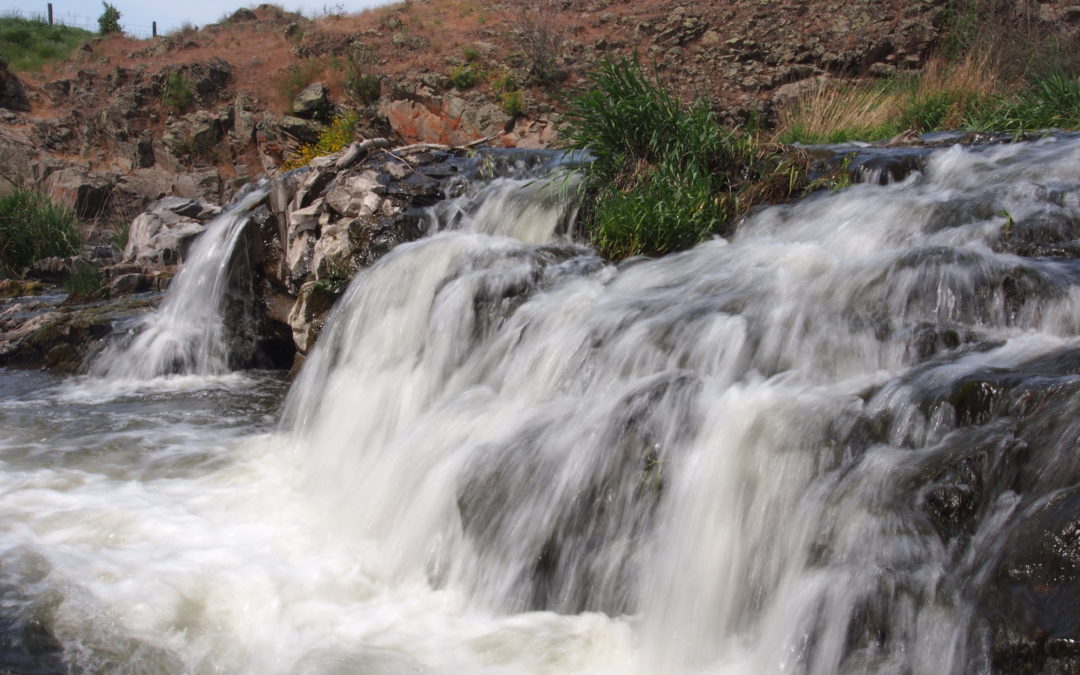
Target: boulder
{"type": "Point", "coordinates": [312, 102]}
{"type": "Point", "coordinates": [305, 131]}
{"type": "Point", "coordinates": [166, 226]}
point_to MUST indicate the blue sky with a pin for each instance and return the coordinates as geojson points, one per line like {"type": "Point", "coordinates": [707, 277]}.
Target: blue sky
{"type": "Point", "coordinates": [136, 16]}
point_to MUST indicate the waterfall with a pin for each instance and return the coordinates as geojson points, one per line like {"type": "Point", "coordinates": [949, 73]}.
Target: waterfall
{"type": "Point", "coordinates": [842, 441]}
{"type": "Point", "coordinates": [724, 443]}
{"type": "Point", "coordinates": [188, 334]}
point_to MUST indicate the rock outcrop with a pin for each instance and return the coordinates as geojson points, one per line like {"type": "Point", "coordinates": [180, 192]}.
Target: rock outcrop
{"type": "Point", "coordinates": [12, 95]}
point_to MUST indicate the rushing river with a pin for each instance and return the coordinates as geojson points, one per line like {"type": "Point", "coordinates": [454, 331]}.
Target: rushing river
{"type": "Point", "coordinates": [817, 447]}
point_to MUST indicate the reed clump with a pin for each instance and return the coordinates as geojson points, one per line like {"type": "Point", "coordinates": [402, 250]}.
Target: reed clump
{"type": "Point", "coordinates": [665, 176]}
{"type": "Point", "coordinates": [33, 227]}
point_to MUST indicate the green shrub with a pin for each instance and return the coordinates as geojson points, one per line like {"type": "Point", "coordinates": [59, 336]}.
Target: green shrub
{"type": "Point", "coordinates": [109, 21]}
{"type": "Point", "coordinates": [665, 177]}
{"type": "Point", "coordinates": [177, 92]}
{"type": "Point", "coordinates": [513, 102]}
{"type": "Point", "coordinates": [27, 44]}
{"type": "Point", "coordinates": [464, 77]}
{"type": "Point", "coordinates": [341, 132]}
{"type": "Point", "coordinates": [33, 227]}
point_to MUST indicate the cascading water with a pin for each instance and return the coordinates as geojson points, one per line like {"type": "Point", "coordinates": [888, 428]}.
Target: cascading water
{"type": "Point", "coordinates": [187, 334]}
{"type": "Point", "coordinates": [829, 445]}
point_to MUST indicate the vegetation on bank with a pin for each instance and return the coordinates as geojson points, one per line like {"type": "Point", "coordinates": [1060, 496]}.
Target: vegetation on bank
{"type": "Point", "coordinates": [967, 95]}
{"type": "Point", "coordinates": [28, 44]}
{"type": "Point", "coordinates": [665, 176]}
{"type": "Point", "coordinates": [999, 68]}
{"type": "Point", "coordinates": [340, 132]}
{"type": "Point", "coordinates": [33, 227]}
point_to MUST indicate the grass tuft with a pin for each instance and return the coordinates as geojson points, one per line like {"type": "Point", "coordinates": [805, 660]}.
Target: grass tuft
{"type": "Point", "coordinates": [664, 176]}
{"type": "Point", "coordinates": [34, 227]}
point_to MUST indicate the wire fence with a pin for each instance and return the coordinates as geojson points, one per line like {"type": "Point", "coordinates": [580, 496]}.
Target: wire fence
{"type": "Point", "coordinates": [75, 20]}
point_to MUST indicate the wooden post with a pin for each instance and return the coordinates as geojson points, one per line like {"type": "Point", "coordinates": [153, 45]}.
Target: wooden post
{"type": "Point", "coordinates": [50, 14]}
{"type": "Point", "coordinates": [153, 27]}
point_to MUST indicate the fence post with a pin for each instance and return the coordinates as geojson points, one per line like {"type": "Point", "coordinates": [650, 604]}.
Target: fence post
{"type": "Point", "coordinates": [50, 14]}
{"type": "Point", "coordinates": [153, 25]}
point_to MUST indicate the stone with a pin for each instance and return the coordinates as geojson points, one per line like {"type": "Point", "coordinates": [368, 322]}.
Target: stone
{"type": "Point", "coordinates": [355, 195]}
{"type": "Point", "coordinates": [130, 283]}
{"type": "Point", "coordinates": [167, 225]}
{"type": "Point", "coordinates": [312, 102]}
{"type": "Point", "coordinates": [53, 270]}
{"type": "Point", "coordinates": [305, 131]}
{"type": "Point", "coordinates": [313, 303]}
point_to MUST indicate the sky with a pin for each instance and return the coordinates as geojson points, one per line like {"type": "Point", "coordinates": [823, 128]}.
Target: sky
{"type": "Point", "coordinates": [137, 16]}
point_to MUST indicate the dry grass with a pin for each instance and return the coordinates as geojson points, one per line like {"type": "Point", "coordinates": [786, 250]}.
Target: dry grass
{"type": "Point", "coordinates": [939, 96]}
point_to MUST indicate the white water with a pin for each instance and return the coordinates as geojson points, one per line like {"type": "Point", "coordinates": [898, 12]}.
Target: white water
{"type": "Point", "coordinates": [187, 334]}
{"type": "Point", "coordinates": [512, 458]}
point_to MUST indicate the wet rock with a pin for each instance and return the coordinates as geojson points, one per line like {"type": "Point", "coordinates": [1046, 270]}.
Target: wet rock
{"type": "Point", "coordinates": [313, 303]}
{"type": "Point", "coordinates": [60, 337]}
{"type": "Point", "coordinates": [130, 283]}
{"type": "Point", "coordinates": [52, 270]}
{"type": "Point", "coordinates": [15, 288]}
{"type": "Point", "coordinates": [1032, 601]}
{"type": "Point", "coordinates": [167, 225]}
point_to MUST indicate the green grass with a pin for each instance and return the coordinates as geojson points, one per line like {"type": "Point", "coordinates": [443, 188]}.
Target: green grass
{"type": "Point", "coordinates": [28, 44]}
{"type": "Point", "coordinates": [665, 176]}
{"type": "Point", "coordinates": [33, 227]}
{"type": "Point", "coordinates": [1049, 101]}
{"type": "Point", "coordinates": [177, 93]}
{"type": "Point", "coordinates": [85, 280]}
{"type": "Point", "coordinates": [464, 77]}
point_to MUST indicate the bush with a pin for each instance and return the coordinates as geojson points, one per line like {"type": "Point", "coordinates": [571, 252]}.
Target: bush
{"type": "Point", "coordinates": [537, 31]}
{"type": "Point", "coordinates": [341, 132]}
{"type": "Point", "coordinates": [512, 102]}
{"type": "Point", "coordinates": [665, 177]}
{"type": "Point", "coordinates": [464, 77]}
{"type": "Point", "coordinates": [177, 92]}
{"type": "Point", "coordinates": [363, 85]}
{"type": "Point", "coordinates": [33, 227]}
{"type": "Point", "coordinates": [109, 21]}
